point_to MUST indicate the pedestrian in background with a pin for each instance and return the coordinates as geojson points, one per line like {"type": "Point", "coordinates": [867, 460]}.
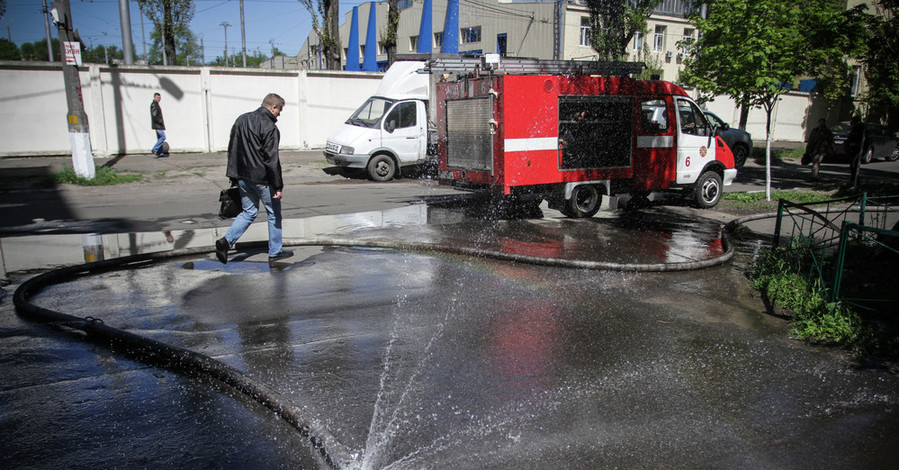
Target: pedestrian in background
{"type": "Point", "coordinates": [855, 145]}
{"type": "Point", "coordinates": [255, 168]}
{"type": "Point", "coordinates": [158, 125]}
{"type": "Point", "coordinates": [820, 144]}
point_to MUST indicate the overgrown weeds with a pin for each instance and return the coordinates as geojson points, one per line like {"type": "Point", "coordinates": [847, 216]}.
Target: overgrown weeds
{"type": "Point", "coordinates": [104, 176]}
{"type": "Point", "coordinates": [778, 274]}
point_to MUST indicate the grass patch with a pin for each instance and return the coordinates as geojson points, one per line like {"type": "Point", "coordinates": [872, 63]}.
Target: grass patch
{"type": "Point", "coordinates": [104, 176]}
{"type": "Point", "coordinates": [755, 201]}
{"type": "Point", "coordinates": [778, 154]}
{"type": "Point", "coordinates": [776, 273]}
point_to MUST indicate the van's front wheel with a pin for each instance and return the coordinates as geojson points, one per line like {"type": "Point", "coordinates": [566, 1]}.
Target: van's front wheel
{"type": "Point", "coordinates": [708, 190]}
{"type": "Point", "coordinates": [381, 168]}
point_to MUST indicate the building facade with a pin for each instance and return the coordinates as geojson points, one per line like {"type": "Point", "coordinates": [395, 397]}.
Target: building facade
{"type": "Point", "coordinates": [542, 30]}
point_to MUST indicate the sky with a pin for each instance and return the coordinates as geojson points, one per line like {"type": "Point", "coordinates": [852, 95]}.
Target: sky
{"type": "Point", "coordinates": [286, 22]}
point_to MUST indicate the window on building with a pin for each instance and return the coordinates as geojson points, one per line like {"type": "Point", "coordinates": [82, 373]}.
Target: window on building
{"type": "Point", "coordinates": [438, 40]}
{"type": "Point", "coordinates": [638, 41]}
{"type": "Point", "coordinates": [362, 50]}
{"type": "Point", "coordinates": [658, 43]}
{"type": "Point", "coordinates": [686, 41]}
{"type": "Point", "coordinates": [470, 35]}
{"type": "Point", "coordinates": [853, 86]}
{"type": "Point", "coordinates": [586, 24]}
{"type": "Point", "coordinates": [413, 43]}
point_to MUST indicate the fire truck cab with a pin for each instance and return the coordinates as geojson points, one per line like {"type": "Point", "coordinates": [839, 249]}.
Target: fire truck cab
{"type": "Point", "coordinates": [571, 138]}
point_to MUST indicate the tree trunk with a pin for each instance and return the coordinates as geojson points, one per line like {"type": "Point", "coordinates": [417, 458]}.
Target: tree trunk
{"type": "Point", "coordinates": [168, 33]}
{"type": "Point", "coordinates": [393, 21]}
{"type": "Point", "coordinates": [332, 48]}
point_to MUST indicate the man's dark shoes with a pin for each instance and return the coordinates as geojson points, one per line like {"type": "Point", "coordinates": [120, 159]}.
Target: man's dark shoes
{"type": "Point", "coordinates": [221, 250]}
{"type": "Point", "coordinates": [281, 255]}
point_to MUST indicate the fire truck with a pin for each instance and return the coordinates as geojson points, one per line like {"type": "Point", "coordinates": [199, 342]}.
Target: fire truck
{"type": "Point", "coordinates": [571, 132]}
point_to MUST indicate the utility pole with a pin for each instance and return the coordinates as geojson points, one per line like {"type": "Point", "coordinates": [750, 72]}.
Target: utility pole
{"type": "Point", "coordinates": [243, 37]}
{"type": "Point", "coordinates": [225, 24]}
{"type": "Point", "coordinates": [46, 30]}
{"type": "Point", "coordinates": [125, 18]}
{"type": "Point", "coordinates": [79, 132]}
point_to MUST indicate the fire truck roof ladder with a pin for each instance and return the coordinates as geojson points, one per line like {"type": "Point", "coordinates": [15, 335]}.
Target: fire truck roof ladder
{"type": "Point", "coordinates": [522, 66]}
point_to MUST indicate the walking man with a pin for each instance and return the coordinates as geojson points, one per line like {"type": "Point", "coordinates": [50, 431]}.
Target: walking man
{"type": "Point", "coordinates": [820, 144]}
{"type": "Point", "coordinates": [158, 125]}
{"type": "Point", "coordinates": [255, 168]}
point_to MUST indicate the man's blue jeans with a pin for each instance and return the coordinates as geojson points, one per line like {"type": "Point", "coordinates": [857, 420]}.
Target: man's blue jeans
{"type": "Point", "coordinates": [160, 138]}
{"type": "Point", "coordinates": [250, 196]}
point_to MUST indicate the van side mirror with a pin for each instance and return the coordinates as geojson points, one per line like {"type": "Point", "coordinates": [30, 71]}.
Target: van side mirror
{"type": "Point", "coordinates": [390, 127]}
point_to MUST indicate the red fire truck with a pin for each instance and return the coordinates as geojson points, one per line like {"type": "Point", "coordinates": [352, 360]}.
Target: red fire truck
{"type": "Point", "coordinates": [569, 132]}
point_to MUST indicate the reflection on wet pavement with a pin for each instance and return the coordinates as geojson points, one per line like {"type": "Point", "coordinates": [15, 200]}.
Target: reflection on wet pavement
{"type": "Point", "coordinates": [629, 238]}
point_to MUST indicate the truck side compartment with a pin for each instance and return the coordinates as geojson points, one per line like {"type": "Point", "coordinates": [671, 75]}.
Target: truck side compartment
{"type": "Point", "coordinates": [570, 139]}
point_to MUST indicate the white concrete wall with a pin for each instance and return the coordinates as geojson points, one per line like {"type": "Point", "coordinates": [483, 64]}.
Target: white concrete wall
{"type": "Point", "coordinates": [199, 105]}
{"type": "Point", "coordinates": [789, 120]}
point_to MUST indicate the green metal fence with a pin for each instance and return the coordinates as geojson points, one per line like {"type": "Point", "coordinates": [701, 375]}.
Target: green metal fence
{"type": "Point", "coordinates": [849, 245]}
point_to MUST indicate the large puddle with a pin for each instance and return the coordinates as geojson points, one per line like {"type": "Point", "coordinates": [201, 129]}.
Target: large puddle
{"type": "Point", "coordinates": [415, 359]}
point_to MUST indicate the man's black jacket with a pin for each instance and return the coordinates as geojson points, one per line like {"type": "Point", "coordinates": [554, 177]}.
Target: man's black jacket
{"type": "Point", "coordinates": [253, 149]}
{"type": "Point", "coordinates": [156, 116]}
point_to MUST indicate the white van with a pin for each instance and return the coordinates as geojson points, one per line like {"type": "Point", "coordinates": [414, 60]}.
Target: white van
{"type": "Point", "coordinates": [390, 130]}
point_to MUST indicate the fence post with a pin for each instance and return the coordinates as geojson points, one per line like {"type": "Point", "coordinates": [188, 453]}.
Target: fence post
{"type": "Point", "coordinates": [861, 212]}
{"type": "Point", "coordinates": [841, 257]}
{"type": "Point", "coordinates": [780, 213]}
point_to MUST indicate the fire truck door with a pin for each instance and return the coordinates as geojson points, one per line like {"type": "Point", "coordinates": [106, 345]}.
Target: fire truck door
{"type": "Point", "coordinates": [404, 131]}
{"type": "Point", "coordinates": [695, 148]}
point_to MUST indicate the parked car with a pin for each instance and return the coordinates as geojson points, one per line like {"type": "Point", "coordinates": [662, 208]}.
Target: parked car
{"type": "Point", "coordinates": [739, 141]}
{"type": "Point", "coordinates": [880, 143]}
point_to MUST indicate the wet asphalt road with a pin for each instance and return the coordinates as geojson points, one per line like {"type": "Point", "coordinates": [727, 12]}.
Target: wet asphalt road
{"type": "Point", "coordinates": [418, 360]}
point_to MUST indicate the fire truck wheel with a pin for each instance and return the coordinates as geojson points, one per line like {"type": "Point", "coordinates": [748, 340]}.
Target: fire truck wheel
{"type": "Point", "coordinates": [381, 168]}
{"type": "Point", "coordinates": [584, 202]}
{"type": "Point", "coordinates": [708, 190]}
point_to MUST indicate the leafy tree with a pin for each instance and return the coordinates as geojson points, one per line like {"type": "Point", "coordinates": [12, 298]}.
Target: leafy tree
{"type": "Point", "coordinates": [614, 23]}
{"type": "Point", "coordinates": [326, 24]}
{"type": "Point", "coordinates": [750, 50]}
{"type": "Point", "coordinates": [185, 42]}
{"type": "Point", "coordinates": [9, 50]}
{"type": "Point", "coordinates": [253, 60]}
{"type": "Point", "coordinates": [881, 64]}
{"type": "Point", "coordinates": [172, 19]}
{"type": "Point", "coordinates": [102, 54]}
{"type": "Point", "coordinates": [2, 9]}
{"type": "Point", "coordinates": [37, 50]}
{"type": "Point", "coordinates": [833, 36]}
{"type": "Point", "coordinates": [388, 36]}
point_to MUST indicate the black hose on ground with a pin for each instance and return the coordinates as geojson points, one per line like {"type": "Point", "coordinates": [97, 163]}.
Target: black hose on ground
{"type": "Point", "coordinates": [183, 360]}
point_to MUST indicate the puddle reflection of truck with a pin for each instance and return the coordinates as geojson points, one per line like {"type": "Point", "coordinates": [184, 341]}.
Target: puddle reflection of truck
{"type": "Point", "coordinates": [390, 131]}
{"type": "Point", "coordinates": [526, 131]}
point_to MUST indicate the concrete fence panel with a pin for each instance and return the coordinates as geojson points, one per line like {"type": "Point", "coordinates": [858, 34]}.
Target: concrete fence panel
{"type": "Point", "coordinates": [199, 105]}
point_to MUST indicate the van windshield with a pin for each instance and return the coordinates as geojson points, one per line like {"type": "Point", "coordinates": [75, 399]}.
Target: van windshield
{"type": "Point", "coordinates": [370, 113]}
